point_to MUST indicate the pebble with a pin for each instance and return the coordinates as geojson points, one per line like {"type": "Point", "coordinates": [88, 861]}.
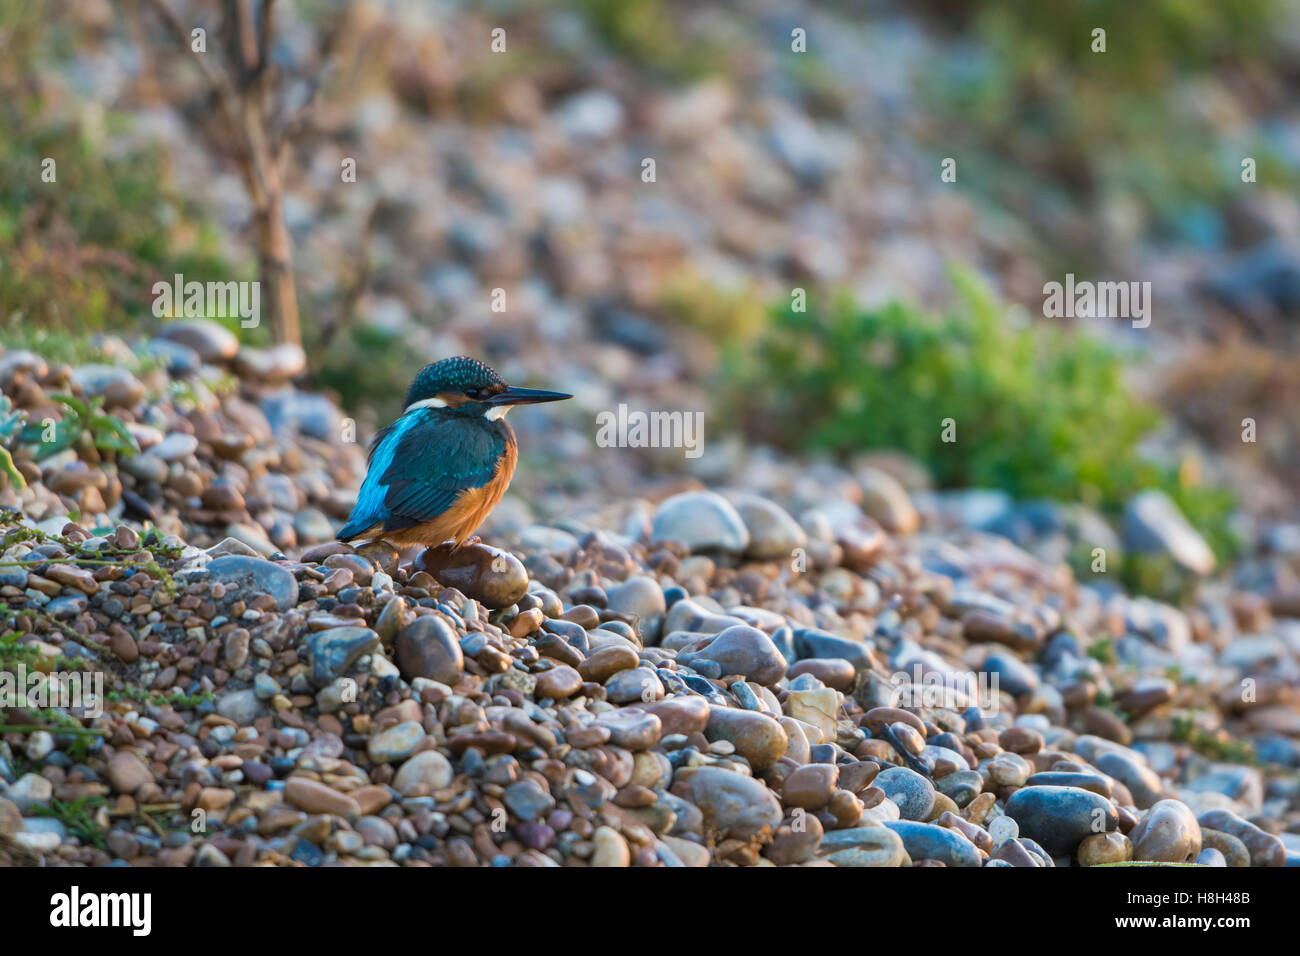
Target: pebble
{"type": "Point", "coordinates": [11, 818]}
{"type": "Point", "coordinates": [241, 706]}
{"type": "Point", "coordinates": [1059, 818]}
{"type": "Point", "coordinates": [1012, 674]}
{"type": "Point", "coordinates": [640, 685]}
{"type": "Point", "coordinates": [817, 708]}
{"type": "Point", "coordinates": [610, 849]}
{"type": "Point", "coordinates": [866, 846]}
{"type": "Point", "coordinates": [925, 841]}
{"type": "Point", "coordinates": [642, 597]}
{"type": "Point", "coordinates": [1099, 848]}
{"type": "Point", "coordinates": [493, 577]}
{"type": "Point", "coordinates": [1167, 833]}
{"type": "Point", "coordinates": [39, 746]}
{"type": "Point", "coordinates": [702, 520]}
{"type": "Point", "coordinates": [1153, 524]}
{"type": "Point", "coordinates": [426, 772]}
{"type": "Point", "coordinates": [315, 797]}
{"type": "Point", "coordinates": [333, 652]}
{"type": "Point", "coordinates": [886, 500]}
{"type": "Point", "coordinates": [256, 574]}
{"type": "Point", "coordinates": [1231, 848]}
{"type": "Point", "coordinates": [1265, 849]}
{"type": "Point", "coordinates": [558, 683]}
{"type": "Point", "coordinates": [429, 648]}
{"type": "Point", "coordinates": [211, 342]}
{"type": "Point", "coordinates": [1142, 782]}
{"type": "Point", "coordinates": [813, 643]}
{"type": "Point", "coordinates": [734, 805]}
{"type": "Point", "coordinates": [961, 787]}
{"type": "Point", "coordinates": [810, 787]}
{"type": "Point", "coordinates": [758, 738]}
{"type": "Point", "coordinates": [127, 773]}
{"type": "Point", "coordinates": [396, 743]}
{"type": "Point", "coordinates": [913, 793]}
{"type": "Point", "coordinates": [773, 534]}
{"type": "Point", "coordinates": [743, 650]}
{"type": "Point", "coordinates": [528, 801]}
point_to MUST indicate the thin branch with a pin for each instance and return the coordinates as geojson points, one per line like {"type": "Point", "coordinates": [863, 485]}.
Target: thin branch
{"type": "Point", "coordinates": [218, 83]}
{"type": "Point", "coordinates": [292, 127]}
{"type": "Point", "coordinates": [242, 39]}
{"type": "Point", "coordinates": [265, 29]}
{"type": "Point", "coordinates": [356, 288]}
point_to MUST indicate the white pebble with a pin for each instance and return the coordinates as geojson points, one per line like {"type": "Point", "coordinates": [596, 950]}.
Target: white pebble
{"type": "Point", "coordinates": [39, 745]}
{"type": "Point", "coordinates": [1002, 829]}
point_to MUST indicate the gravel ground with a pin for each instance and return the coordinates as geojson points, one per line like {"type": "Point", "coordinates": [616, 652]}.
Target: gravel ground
{"type": "Point", "coordinates": [790, 665]}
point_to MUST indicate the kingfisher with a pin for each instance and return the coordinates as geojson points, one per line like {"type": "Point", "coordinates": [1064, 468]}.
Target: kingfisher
{"type": "Point", "coordinates": [437, 472]}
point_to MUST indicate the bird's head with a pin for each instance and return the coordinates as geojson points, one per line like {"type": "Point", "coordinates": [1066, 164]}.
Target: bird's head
{"type": "Point", "coordinates": [467, 386]}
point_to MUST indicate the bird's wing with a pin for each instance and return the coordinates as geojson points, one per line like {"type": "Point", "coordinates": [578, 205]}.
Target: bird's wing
{"type": "Point", "coordinates": [369, 509]}
{"type": "Point", "coordinates": [378, 440]}
{"type": "Point", "coordinates": [433, 461]}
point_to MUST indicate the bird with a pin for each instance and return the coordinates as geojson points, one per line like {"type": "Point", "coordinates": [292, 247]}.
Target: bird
{"type": "Point", "coordinates": [437, 472]}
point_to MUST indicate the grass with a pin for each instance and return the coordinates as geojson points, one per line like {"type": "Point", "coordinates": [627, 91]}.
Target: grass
{"type": "Point", "coordinates": [649, 34]}
{"type": "Point", "coordinates": [78, 819]}
{"type": "Point", "coordinates": [85, 229]}
{"type": "Point", "coordinates": [1211, 745]}
{"type": "Point", "coordinates": [1142, 863]}
{"type": "Point", "coordinates": [173, 698]}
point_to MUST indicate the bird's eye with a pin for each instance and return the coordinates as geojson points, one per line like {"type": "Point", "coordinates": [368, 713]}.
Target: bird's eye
{"type": "Point", "coordinates": [474, 393]}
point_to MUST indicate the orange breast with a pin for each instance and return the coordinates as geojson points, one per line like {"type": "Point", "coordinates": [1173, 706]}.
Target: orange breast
{"type": "Point", "coordinates": [467, 512]}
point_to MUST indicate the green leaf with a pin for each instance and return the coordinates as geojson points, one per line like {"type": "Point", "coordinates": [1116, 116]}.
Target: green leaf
{"type": "Point", "coordinates": [14, 476]}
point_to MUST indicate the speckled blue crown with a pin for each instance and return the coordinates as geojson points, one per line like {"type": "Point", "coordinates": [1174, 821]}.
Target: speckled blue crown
{"type": "Point", "coordinates": [452, 375]}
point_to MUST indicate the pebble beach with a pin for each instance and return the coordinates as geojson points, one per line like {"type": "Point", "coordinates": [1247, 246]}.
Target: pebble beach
{"type": "Point", "coordinates": [794, 666]}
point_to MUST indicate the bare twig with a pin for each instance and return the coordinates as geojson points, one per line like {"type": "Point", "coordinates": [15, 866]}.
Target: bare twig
{"type": "Point", "coordinates": [265, 28]}
{"type": "Point", "coordinates": [218, 84]}
{"type": "Point", "coordinates": [247, 116]}
{"type": "Point", "coordinates": [356, 287]}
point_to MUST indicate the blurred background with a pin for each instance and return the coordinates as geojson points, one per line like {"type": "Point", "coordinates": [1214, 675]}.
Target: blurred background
{"type": "Point", "coordinates": [515, 161]}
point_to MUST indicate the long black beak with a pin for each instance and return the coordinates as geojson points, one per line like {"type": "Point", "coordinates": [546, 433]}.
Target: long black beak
{"type": "Point", "coordinates": [526, 396]}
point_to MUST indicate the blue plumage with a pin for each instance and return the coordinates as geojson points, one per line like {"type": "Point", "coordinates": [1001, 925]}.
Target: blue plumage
{"type": "Point", "coordinates": [421, 463]}
{"type": "Point", "coordinates": [370, 509]}
{"type": "Point", "coordinates": [450, 456]}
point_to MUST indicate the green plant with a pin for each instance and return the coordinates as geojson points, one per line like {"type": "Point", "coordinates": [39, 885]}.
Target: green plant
{"type": "Point", "coordinates": [14, 654]}
{"type": "Point", "coordinates": [1214, 745]}
{"type": "Point", "coordinates": [85, 230]}
{"type": "Point", "coordinates": [106, 432]}
{"type": "Point", "coordinates": [155, 698]}
{"type": "Point", "coordinates": [79, 821]}
{"type": "Point", "coordinates": [1036, 410]}
{"type": "Point", "coordinates": [649, 34]}
{"type": "Point", "coordinates": [1103, 650]}
{"type": "Point", "coordinates": [11, 423]}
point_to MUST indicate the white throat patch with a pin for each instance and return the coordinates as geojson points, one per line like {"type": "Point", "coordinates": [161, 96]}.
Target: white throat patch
{"type": "Point", "coordinates": [496, 412]}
